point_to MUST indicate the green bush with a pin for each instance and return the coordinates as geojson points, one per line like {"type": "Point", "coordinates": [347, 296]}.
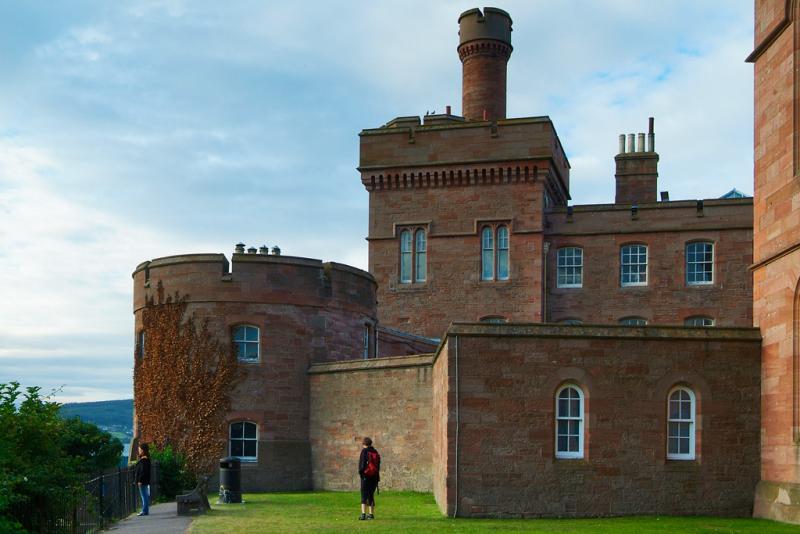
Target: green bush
{"type": "Point", "coordinates": [173, 477]}
{"type": "Point", "coordinates": [44, 459]}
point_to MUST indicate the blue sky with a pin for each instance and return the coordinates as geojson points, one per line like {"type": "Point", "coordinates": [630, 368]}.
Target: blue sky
{"type": "Point", "coordinates": [133, 130]}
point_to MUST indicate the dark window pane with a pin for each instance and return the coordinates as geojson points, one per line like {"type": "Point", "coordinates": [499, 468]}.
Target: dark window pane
{"type": "Point", "coordinates": [252, 351]}
{"type": "Point", "coordinates": [573, 444]}
{"type": "Point", "coordinates": [240, 351]}
{"type": "Point", "coordinates": [562, 427]}
{"type": "Point", "coordinates": [252, 333]}
{"type": "Point", "coordinates": [674, 410]}
{"type": "Point", "coordinates": [236, 447]}
{"type": "Point", "coordinates": [575, 408]}
{"type": "Point", "coordinates": [673, 445]}
{"type": "Point", "coordinates": [238, 333]}
{"type": "Point", "coordinates": [236, 430]}
{"type": "Point", "coordinates": [673, 429]}
{"type": "Point", "coordinates": [684, 429]}
{"type": "Point", "coordinates": [684, 446]}
{"type": "Point", "coordinates": [686, 410]}
{"type": "Point", "coordinates": [563, 408]}
{"type": "Point", "coordinates": [250, 447]}
{"type": "Point", "coordinates": [562, 444]}
{"type": "Point", "coordinates": [249, 430]}
{"type": "Point", "coordinates": [574, 428]}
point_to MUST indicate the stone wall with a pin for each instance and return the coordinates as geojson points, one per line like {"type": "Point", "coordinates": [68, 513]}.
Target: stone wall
{"type": "Point", "coordinates": [776, 273]}
{"type": "Point", "coordinates": [665, 228]}
{"type": "Point", "coordinates": [506, 380]}
{"type": "Point", "coordinates": [387, 399]}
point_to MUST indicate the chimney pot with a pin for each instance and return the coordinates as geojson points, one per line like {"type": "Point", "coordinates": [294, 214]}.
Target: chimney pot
{"type": "Point", "coordinates": [447, 110]}
{"type": "Point", "coordinates": [621, 144]}
{"type": "Point", "coordinates": [252, 250]}
{"type": "Point", "coordinates": [631, 143]}
{"type": "Point", "coordinates": [239, 249]}
{"type": "Point", "coordinates": [263, 249]}
{"type": "Point", "coordinates": [276, 250]}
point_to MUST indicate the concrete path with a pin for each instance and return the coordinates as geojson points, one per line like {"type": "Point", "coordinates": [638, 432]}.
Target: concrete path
{"type": "Point", "coordinates": [163, 519]}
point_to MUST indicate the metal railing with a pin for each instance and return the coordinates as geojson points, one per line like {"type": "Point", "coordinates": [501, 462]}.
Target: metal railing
{"type": "Point", "coordinates": [102, 501]}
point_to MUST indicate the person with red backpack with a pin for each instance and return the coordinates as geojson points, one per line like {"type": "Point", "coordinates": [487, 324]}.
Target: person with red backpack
{"type": "Point", "coordinates": [369, 469]}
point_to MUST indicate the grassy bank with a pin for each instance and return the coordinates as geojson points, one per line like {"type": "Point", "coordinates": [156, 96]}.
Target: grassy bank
{"type": "Point", "coordinates": [417, 512]}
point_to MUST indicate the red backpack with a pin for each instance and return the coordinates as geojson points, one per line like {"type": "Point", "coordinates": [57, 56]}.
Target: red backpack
{"type": "Point", "coordinates": [373, 464]}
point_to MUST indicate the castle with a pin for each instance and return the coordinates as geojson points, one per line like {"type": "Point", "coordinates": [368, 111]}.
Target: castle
{"type": "Point", "coordinates": [513, 354]}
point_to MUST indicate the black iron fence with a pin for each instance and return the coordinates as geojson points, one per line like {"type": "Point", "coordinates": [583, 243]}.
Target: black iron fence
{"type": "Point", "coordinates": [102, 500]}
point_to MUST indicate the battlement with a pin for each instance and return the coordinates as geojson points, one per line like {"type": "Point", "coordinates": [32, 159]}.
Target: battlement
{"type": "Point", "coordinates": [404, 146]}
{"type": "Point", "coordinates": [492, 23]}
{"type": "Point", "coordinates": [260, 278]}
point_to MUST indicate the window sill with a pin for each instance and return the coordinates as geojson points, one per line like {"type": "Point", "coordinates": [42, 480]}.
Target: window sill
{"type": "Point", "coordinates": [248, 362]}
{"type": "Point", "coordinates": [700, 284]}
{"type": "Point", "coordinates": [570, 287]}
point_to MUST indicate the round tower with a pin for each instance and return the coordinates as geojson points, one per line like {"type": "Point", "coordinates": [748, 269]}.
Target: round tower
{"type": "Point", "coordinates": [484, 48]}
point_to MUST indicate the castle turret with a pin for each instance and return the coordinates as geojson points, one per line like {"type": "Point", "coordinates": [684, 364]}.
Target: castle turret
{"type": "Point", "coordinates": [637, 168]}
{"type": "Point", "coordinates": [484, 48]}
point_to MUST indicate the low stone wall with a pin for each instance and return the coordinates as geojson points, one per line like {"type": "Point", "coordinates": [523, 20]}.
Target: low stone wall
{"type": "Point", "coordinates": [388, 399]}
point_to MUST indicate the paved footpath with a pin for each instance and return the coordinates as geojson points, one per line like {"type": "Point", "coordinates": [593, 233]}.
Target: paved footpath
{"type": "Point", "coordinates": [163, 519]}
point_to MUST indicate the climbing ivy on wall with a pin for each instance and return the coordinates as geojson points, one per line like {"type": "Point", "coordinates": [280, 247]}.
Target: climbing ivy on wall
{"type": "Point", "coordinates": [182, 382]}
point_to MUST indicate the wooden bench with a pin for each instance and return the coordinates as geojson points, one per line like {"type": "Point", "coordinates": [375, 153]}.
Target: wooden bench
{"type": "Point", "coordinates": [195, 501]}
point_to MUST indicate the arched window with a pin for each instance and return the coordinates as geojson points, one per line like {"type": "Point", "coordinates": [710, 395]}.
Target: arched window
{"type": "Point", "coordinates": [245, 340]}
{"type": "Point", "coordinates": [243, 441]}
{"type": "Point", "coordinates": [698, 320]}
{"type": "Point", "coordinates": [700, 263]}
{"type": "Point", "coordinates": [487, 254]}
{"type": "Point", "coordinates": [420, 253]}
{"type": "Point", "coordinates": [569, 267]}
{"type": "Point", "coordinates": [405, 257]}
{"type": "Point", "coordinates": [494, 319]}
{"type": "Point", "coordinates": [569, 422]}
{"type": "Point", "coordinates": [502, 253]}
{"type": "Point", "coordinates": [633, 265]}
{"type": "Point", "coordinates": [571, 321]}
{"type": "Point", "coordinates": [680, 424]}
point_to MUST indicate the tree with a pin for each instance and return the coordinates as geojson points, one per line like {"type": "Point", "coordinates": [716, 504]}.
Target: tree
{"type": "Point", "coordinates": [94, 449]}
{"type": "Point", "coordinates": [44, 459]}
{"type": "Point", "coordinates": [182, 382]}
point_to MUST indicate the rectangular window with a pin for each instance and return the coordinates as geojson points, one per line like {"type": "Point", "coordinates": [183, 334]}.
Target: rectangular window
{"type": "Point", "coordinates": [569, 272]}
{"type": "Point", "coordinates": [700, 263]}
{"type": "Point", "coordinates": [245, 339]}
{"type": "Point", "coordinates": [367, 341]}
{"type": "Point", "coordinates": [502, 253]}
{"type": "Point", "coordinates": [699, 321]}
{"type": "Point", "coordinates": [633, 265]}
{"type": "Point", "coordinates": [420, 256]}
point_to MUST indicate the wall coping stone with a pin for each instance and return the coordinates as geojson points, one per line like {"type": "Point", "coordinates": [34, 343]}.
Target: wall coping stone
{"type": "Point", "coordinates": [546, 330]}
{"type": "Point", "coordinates": [393, 362]}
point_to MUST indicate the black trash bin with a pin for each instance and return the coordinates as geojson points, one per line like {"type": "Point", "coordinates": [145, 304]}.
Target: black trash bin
{"type": "Point", "coordinates": [230, 480]}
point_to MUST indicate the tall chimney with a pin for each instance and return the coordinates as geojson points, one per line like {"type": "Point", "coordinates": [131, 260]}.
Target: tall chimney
{"type": "Point", "coordinates": [484, 48]}
{"type": "Point", "coordinates": [637, 170]}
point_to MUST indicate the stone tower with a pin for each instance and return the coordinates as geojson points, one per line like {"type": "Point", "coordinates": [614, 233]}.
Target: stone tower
{"type": "Point", "coordinates": [484, 48]}
{"type": "Point", "coordinates": [456, 203]}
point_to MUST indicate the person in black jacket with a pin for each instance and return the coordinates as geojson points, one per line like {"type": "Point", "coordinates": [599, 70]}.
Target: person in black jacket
{"type": "Point", "coordinates": [369, 466]}
{"type": "Point", "coordinates": [142, 476]}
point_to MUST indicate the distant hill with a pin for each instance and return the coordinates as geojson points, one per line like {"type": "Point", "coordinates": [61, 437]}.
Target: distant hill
{"type": "Point", "coordinates": [109, 415]}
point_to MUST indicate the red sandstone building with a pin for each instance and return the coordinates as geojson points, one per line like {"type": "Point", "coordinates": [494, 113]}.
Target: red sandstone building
{"type": "Point", "coordinates": [631, 405]}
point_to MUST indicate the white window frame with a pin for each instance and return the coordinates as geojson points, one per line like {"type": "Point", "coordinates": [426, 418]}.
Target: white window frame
{"type": "Point", "coordinates": [420, 255]}
{"type": "Point", "coordinates": [691, 421]}
{"type": "Point", "coordinates": [633, 320]}
{"type": "Point", "coordinates": [406, 248]}
{"type": "Point", "coordinates": [369, 341]}
{"type": "Point", "coordinates": [140, 343]}
{"type": "Point", "coordinates": [246, 341]}
{"type": "Point", "coordinates": [570, 455]}
{"type": "Point", "coordinates": [502, 244]}
{"type": "Point", "coordinates": [487, 253]}
{"type": "Point", "coordinates": [703, 320]}
{"type": "Point", "coordinates": [687, 263]}
{"type": "Point", "coordinates": [243, 439]}
{"type": "Point", "coordinates": [563, 265]}
{"type": "Point", "coordinates": [631, 256]}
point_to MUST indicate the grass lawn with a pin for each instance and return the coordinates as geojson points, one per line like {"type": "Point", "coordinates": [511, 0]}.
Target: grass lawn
{"type": "Point", "coordinates": [417, 512]}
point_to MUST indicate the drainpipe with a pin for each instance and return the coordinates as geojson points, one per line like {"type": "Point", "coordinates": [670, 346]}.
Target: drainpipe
{"type": "Point", "coordinates": [455, 508]}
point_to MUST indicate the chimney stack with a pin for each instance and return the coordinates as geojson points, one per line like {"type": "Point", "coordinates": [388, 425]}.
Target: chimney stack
{"type": "Point", "coordinates": [637, 168]}
{"type": "Point", "coordinates": [484, 48]}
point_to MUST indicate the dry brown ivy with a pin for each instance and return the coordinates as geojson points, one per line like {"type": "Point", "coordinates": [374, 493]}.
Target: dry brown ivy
{"type": "Point", "coordinates": [182, 382]}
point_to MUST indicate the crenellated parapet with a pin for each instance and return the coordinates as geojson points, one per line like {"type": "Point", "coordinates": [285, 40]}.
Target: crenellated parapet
{"type": "Point", "coordinates": [258, 278]}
